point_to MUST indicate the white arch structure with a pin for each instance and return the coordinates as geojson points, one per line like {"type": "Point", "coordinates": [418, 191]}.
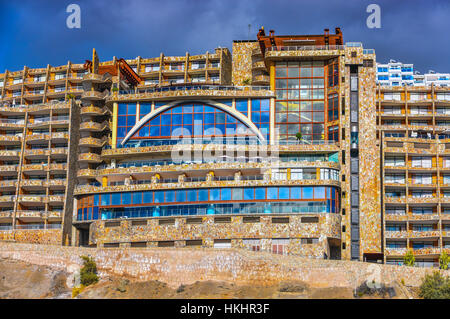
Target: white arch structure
{"type": "Point", "coordinates": [227, 109]}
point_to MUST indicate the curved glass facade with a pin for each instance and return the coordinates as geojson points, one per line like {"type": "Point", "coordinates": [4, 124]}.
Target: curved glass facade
{"type": "Point", "coordinates": [193, 119]}
{"type": "Point", "coordinates": [288, 199]}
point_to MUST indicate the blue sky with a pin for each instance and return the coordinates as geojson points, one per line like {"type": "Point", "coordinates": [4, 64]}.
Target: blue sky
{"type": "Point", "coordinates": [34, 32]}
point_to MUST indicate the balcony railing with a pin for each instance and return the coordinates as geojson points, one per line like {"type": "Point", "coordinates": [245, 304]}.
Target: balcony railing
{"type": "Point", "coordinates": [306, 48]}
{"type": "Point", "coordinates": [196, 87]}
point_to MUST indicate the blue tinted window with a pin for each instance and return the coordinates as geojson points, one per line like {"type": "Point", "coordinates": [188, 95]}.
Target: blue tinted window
{"type": "Point", "coordinates": [126, 198]}
{"type": "Point", "coordinates": [105, 199]}
{"type": "Point", "coordinates": [122, 121]}
{"type": "Point", "coordinates": [181, 196]}
{"type": "Point", "coordinates": [214, 194]}
{"type": "Point", "coordinates": [137, 198]}
{"type": "Point", "coordinates": [131, 120]}
{"type": "Point", "coordinates": [296, 193]}
{"type": "Point", "coordinates": [272, 193]}
{"type": "Point", "coordinates": [122, 109]}
{"type": "Point", "coordinates": [226, 194]}
{"type": "Point", "coordinates": [260, 193]}
{"type": "Point", "coordinates": [96, 197]}
{"type": "Point", "coordinates": [249, 193]}
{"type": "Point", "coordinates": [319, 193]}
{"type": "Point", "coordinates": [256, 105]}
{"type": "Point", "coordinates": [170, 196]}
{"type": "Point", "coordinates": [242, 106]}
{"type": "Point", "coordinates": [237, 194]}
{"type": "Point", "coordinates": [192, 195]}
{"type": "Point", "coordinates": [95, 216]}
{"type": "Point", "coordinates": [144, 109]}
{"type": "Point", "coordinates": [307, 193]}
{"type": "Point", "coordinates": [265, 105]}
{"type": "Point", "coordinates": [131, 109]}
{"type": "Point", "coordinates": [148, 197]}
{"type": "Point", "coordinates": [187, 119]}
{"type": "Point", "coordinates": [159, 197]}
{"type": "Point", "coordinates": [144, 131]}
{"type": "Point", "coordinates": [115, 199]}
{"type": "Point", "coordinates": [203, 195]}
{"type": "Point", "coordinates": [284, 193]}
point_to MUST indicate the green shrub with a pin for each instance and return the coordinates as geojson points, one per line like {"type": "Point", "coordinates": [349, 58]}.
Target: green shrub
{"type": "Point", "coordinates": [435, 286]}
{"type": "Point", "coordinates": [443, 261]}
{"type": "Point", "coordinates": [88, 273]}
{"type": "Point", "coordinates": [409, 259]}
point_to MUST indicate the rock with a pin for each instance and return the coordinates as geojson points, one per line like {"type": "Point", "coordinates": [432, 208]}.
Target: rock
{"type": "Point", "coordinates": [298, 286]}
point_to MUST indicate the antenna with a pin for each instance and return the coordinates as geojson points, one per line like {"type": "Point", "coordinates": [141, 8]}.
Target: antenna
{"type": "Point", "coordinates": [249, 28]}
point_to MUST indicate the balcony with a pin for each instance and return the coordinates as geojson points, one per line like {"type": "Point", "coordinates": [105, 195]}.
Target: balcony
{"type": "Point", "coordinates": [37, 138]}
{"type": "Point", "coordinates": [90, 158]}
{"type": "Point", "coordinates": [94, 126]}
{"type": "Point", "coordinates": [174, 183]}
{"type": "Point", "coordinates": [93, 95]}
{"type": "Point", "coordinates": [87, 173]}
{"type": "Point", "coordinates": [58, 167]}
{"type": "Point", "coordinates": [27, 168]}
{"type": "Point", "coordinates": [190, 91]}
{"type": "Point", "coordinates": [9, 155]}
{"type": "Point", "coordinates": [395, 251]}
{"type": "Point", "coordinates": [12, 123]}
{"type": "Point", "coordinates": [259, 65]}
{"type": "Point", "coordinates": [8, 184]}
{"type": "Point", "coordinates": [261, 79]}
{"type": "Point", "coordinates": [32, 199]}
{"type": "Point", "coordinates": [53, 199]}
{"type": "Point", "coordinates": [93, 142]}
{"type": "Point", "coordinates": [427, 251]}
{"type": "Point", "coordinates": [95, 78]}
{"type": "Point", "coordinates": [8, 168]}
{"type": "Point", "coordinates": [282, 52]}
{"type": "Point", "coordinates": [10, 139]}
{"type": "Point", "coordinates": [93, 110]}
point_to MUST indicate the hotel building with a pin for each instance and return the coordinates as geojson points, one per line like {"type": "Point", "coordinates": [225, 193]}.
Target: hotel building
{"type": "Point", "coordinates": [285, 144]}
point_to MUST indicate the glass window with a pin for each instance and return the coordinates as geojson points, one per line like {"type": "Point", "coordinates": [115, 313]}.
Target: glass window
{"type": "Point", "coordinates": [214, 194]}
{"type": "Point", "coordinates": [181, 196]}
{"type": "Point", "coordinates": [226, 194]}
{"type": "Point", "coordinates": [115, 199]}
{"type": "Point", "coordinates": [105, 199]}
{"type": "Point", "coordinates": [249, 193]}
{"type": "Point", "coordinates": [284, 192]}
{"type": "Point", "coordinates": [307, 193]}
{"type": "Point", "coordinates": [191, 195]}
{"type": "Point", "coordinates": [126, 198]}
{"type": "Point", "coordinates": [260, 193]}
{"type": "Point", "coordinates": [170, 196]}
{"type": "Point", "coordinates": [272, 193]}
{"type": "Point", "coordinates": [137, 198]}
{"type": "Point", "coordinates": [237, 194]}
{"type": "Point", "coordinates": [148, 197]}
{"type": "Point", "coordinates": [296, 193]}
{"type": "Point", "coordinates": [319, 193]}
{"type": "Point", "coordinates": [203, 195]}
{"type": "Point", "coordinates": [159, 197]}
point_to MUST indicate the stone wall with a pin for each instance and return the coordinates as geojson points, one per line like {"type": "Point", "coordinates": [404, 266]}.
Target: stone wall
{"type": "Point", "coordinates": [176, 266]}
{"type": "Point", "coordinates": [242, 61]}
{"type": "Point", "coordinates": [34, 236]}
